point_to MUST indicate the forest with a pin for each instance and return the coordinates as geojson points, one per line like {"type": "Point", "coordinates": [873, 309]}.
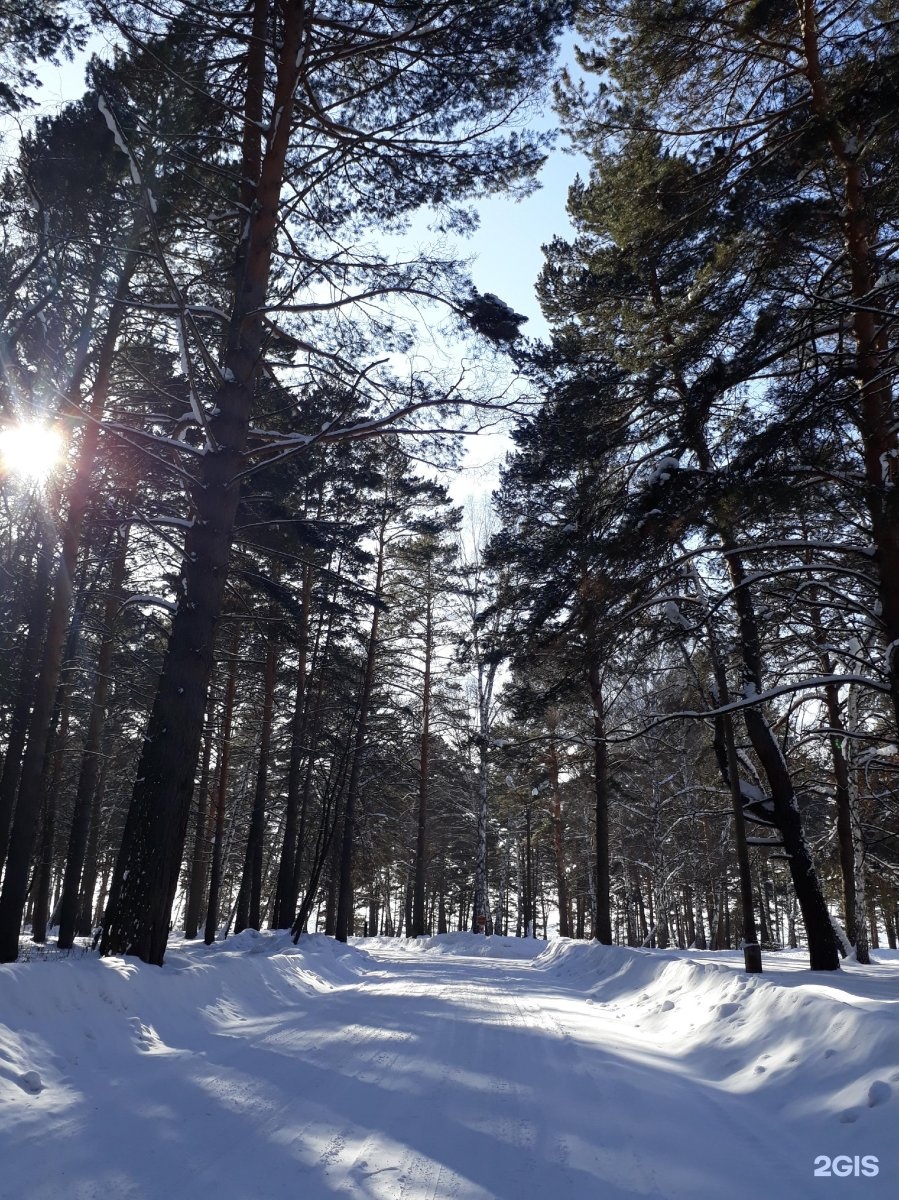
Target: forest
{"type": "Point", "coordinates": [258, 668]}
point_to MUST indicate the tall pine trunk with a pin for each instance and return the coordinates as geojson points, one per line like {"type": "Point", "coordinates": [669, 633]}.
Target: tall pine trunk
{"type": "Point", "coordinates": [344, 917]}
{"type": "Point", "coordinates": [90, 757]}
{"type": "Point", "coordinates": [42, 880]}
{"type": "Point", "coordinates": [18, 727]}
{"type": "Point", "coordinates": [555, 799]}
{"type": "Point", "coordinates": [873, 413]}
{"type": "Point", "coordinates": [486, 674]}
{"type": "Point", "coordinates": [419, 922]}
{"type": "Point", "coordinates": [249, 901]}
{"type": "Point", "coordinates": [285, 894]}
{"type": "Point", "coordinates": [221, 793]}
{"type": "Point", "coordinates": [822, 941]}
{"type": "Point", "coordinates": [602, 925]}
{"type": "Point", "coordinates": [149, 862]}
{"type": "Point", "coordinates": [199, 858]}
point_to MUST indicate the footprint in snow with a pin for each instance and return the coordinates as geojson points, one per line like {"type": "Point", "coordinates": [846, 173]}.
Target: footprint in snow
{"type": "Point", "coordinates": [849, 1116]}
{"type": "Point", "coordinates": [879, 1093]}
{"type": "Point", "coordinates": [31, 1082]}
{"type": "Point", "coordinates": [727, 1010]}
{"type": "Point", "coordinates": [667, 1006]}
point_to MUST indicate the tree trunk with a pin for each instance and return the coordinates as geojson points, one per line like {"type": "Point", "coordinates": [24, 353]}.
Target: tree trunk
{"type": "Point", "coordinates": [310, 733]}
{"type": "Point", "coordinates": [689, 919]}
{"type": "Point", "coordinates": [552, 766]}
{"type": "Point", "coordinates": [345, 897]}
{"type": "Point", "coordinates": [18, 728]}
{"type": "Point", "coordinates": [602, 928]}
{"type": "Point", "coordinates": [87, 777]}
{"type": "Point", "coordinates": [43, 873]}
{"type": "Point", "coordinates": [822, 942]}
{"type": "Point", "coordinates": [486, 674]}
{"type": "Point", "coordinates": [224, 761]}
{"type": "Point", "coordinates": [858, 839]}
{"type": "Point", "coordinates": [419, 924]}
{"type": "Point", "coordinates": [887, 907]}
{"type": "Point", "coordinates": [530, 913]}
{"type": "Point", "coordinates": [85, 919]}
{"type": "Point", "coordinates": [872, 925]}
{"type": "Point", "coordinates": [249, 901]}
{"type": "Point", "coordinates": [285, 893]}
{"type": "Point", "coordinates": [873, 414]}
{"type": "Point", "coordinates": [841, 795]}
{"type": "Point", "coordinates": [149, 862]}
{"type": "Point", "coordinates": [198, 863]}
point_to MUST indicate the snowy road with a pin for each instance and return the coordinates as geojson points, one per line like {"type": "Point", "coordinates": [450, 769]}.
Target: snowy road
{"type": "Point", "coordinates": [406, 1074]}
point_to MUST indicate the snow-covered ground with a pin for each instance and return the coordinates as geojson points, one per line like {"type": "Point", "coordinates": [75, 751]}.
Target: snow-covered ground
{"type": "Point", "coordinates": [450, 1067]}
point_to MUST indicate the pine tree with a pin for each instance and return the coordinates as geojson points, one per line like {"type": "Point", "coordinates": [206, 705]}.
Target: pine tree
{"type": "Point", "coordinates": [329, 88]}
{"type": "Point", "coordinates": [32, 31]}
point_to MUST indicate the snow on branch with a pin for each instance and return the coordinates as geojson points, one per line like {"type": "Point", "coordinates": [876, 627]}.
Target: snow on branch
{"type": "Point", "coordinates": [751, 701]}
{"type": "Point", "coordinates": [142, 598]}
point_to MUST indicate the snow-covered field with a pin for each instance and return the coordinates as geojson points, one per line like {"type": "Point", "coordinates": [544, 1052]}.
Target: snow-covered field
{"type": "Point", "coordinates": [450, 1067]}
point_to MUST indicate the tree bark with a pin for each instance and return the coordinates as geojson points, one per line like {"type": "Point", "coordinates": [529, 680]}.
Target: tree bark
{"type": "Point", "coordinates": [419, 924]}
{"type": "Point", "coordinates": [87, 777]}
{"type": "Point", "coordinates": [602, 926]}
{"type": "Point", "coordinates": [85, 919]}
{"type": "Point", "coordinates": [249, 902]}
{"type": "Point", "coordinates": [345, 893]}
{"type": "Point", "coordinates": [42, 880]}
{"type": "Point", "coordinates": [285, 893]}
{"type": "Point", "coordinates": [198, 863]}
{"type": "Point", "coordinates": [822, 941]}
{"type": "Point", "coordinates": [858, 841]}
{"type": "Point", "coordinates": [18, 728]}
{"type": "Point", "coordinates": [552, 765]}
{"type": "Point", "coordinates": [726, 749]}
{"type": "Point", "coordinates": [874, 416]}
{"type": "Point", "coordinates": [149, 862]}
{"type": "Point", "coordinates": [224, 762]}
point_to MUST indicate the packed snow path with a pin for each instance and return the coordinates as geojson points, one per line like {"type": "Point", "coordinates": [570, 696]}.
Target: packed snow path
{"type": "Point", "coordinates": [391, 1071]}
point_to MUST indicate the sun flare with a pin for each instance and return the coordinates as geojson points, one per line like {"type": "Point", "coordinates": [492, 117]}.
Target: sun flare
{"type": "Point", "coordinates": [30, 449]}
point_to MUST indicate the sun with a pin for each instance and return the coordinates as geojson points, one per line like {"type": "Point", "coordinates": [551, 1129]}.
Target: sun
{"type": "Point", "coordinates": [31, 449]}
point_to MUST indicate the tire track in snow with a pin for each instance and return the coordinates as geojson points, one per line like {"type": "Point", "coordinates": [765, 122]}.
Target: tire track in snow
{"type": "Point", "coordinates": [343, 1059]}
{"type": "Point", "coordinates": [569, 1063]}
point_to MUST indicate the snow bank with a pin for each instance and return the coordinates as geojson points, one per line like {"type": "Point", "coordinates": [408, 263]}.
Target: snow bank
{"type": "Point", "coordinates": [465, 945]}
{"type": "Point", "coordinates": [60, 1009]}
{"type": "Point", "coordinates": [823, 1045]}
